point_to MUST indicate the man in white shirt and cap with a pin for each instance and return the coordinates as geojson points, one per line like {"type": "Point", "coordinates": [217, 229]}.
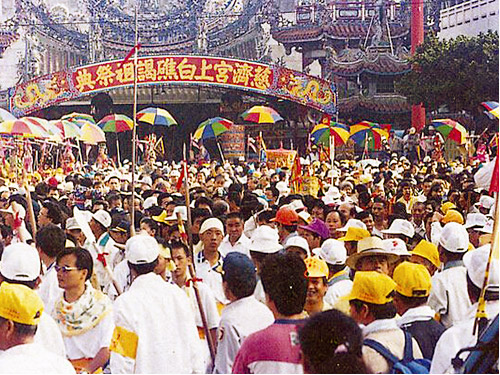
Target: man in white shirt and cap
{"type": "Point", "coordinates": [20, 264]}
{"type": "Point", "coordinates": [235, 239]}
{"type": "Point", "coordinates": [462, 334]}
{"type": "Point", "coordinates": [208, 262]}
{"type": "Point", "coordinates": [473, 223]}
{"type": "Point", "coordinates": [244, 315]}
{"type": "Point", "coordinates": [334, 253]}
{"type": "Point", "coordinates": [155, 327]}
{"type": "Point", "coordinates": [20, 312]}
{"type": "Point", "coordinates": [180, 275]}
{"type": "Point", "coordinates": [448, 295]}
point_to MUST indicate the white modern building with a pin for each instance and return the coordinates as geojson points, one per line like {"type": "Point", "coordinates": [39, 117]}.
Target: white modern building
{"type": "Point", "coordinates": [468, 18]}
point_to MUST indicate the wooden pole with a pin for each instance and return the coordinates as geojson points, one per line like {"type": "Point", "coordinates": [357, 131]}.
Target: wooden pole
{"type": "Point", "coordinates": [134, 130]}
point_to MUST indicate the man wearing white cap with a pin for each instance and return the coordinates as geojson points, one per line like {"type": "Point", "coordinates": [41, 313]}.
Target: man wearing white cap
{"type": "Point", "coordinates": [99, 224]}
{"type": "Point", "coordinates": [20, 264]}
{"type": "Point", "coordinates": [334, 253]}
{"type": "Point", "coordinates": [473, 223]}
{"type": "Point", "coordinates": [400, 228]}
{"type": "Point", "coordinates": [13, 217]}
{"type": "Point", "coordinates": [155, 328]}
{"type": "Point", "coordinates": [449, 288]}
{"type": "Point", "coordinates": [208, 262]}
{"type": "Point", "coordinates": [462, 335]}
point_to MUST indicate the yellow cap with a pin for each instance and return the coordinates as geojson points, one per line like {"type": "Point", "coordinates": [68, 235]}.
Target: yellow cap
{"type": "Point", "coordinates": [429, 251]}
{"type": "Point", "coordinates": [453, 216]}
{"type": "Point", "coordinates": [412, 280]}
{"type": "Point", "coordinates": [165, 252]}
{"type": "Point", "coordinates": [355, 234]}
{"type": "Point", "coordinates": [316, 267]}
{"type": "Point", "coordinates": [20, 304]}
{"type": "Point", "coordinates": [372, 287]}
{"type": "Point", "coordinates": [446, 206]}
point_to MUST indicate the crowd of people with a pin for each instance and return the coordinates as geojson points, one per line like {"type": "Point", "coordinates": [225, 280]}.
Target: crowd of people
{"type": "Point", "coordinates": [227, 268]}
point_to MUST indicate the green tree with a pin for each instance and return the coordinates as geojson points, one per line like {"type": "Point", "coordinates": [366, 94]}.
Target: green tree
{"type": "Point", "coordinates": [459, 73]}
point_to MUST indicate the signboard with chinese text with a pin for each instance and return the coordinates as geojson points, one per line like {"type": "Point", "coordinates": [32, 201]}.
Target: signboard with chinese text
{"type": "Point", "coordinates": [244, 75]}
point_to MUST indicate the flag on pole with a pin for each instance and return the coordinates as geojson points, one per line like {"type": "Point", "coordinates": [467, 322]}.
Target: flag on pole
{"type": "Point", "coordinates": [296, 176]}
{"type": "Point", "coordinates": [263, 149]}
{"type": "Point", "coordinates": [180, 181]}
{"type": "Point", "coordinates": [129, 55]}
{"type": "Point", "coordinates": [494, 178]}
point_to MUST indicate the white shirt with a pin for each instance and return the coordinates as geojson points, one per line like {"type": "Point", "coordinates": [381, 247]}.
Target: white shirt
{"type": "Point", "coordinates": [107, 246]}
{"type": "Point", "coordinates": [87, 344]}
{"type": "Point", "coordinates": [239, 319]}
{"type": "Point", "coordinates": [49, 336]}
{"type": "Point", "coordinates": [241, 246]}
{"type": "Point", "coordinates": [48, 289]}
{"type": "Point", "coordinates": [122, 276]}
{"type": "Point", "coordinates": [416, 314]}
{"type": "Point", "coordinates": [339, 286]}
{"type": "Point", "coordinates": [457, 337]}
{"type": "Point", "coordinates": [259, 293]}
{"type": "Point", "coordinates": [211, 275]}
{"type": "Point", "coordinates": [448, 295]}
{"type": "Point", "coordinates": [159, 315]}
{"type": "Point", "coordinates": [33, 359]}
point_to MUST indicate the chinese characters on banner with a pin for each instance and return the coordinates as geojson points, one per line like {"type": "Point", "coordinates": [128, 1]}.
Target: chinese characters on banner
{"type": "Point", "coordinates": [245, 75]}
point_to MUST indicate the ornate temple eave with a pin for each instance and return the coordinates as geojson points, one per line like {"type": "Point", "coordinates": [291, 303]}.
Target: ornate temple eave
{"type": "Point", "coordinates": [336, 31]}
{"type": "Point", "coordinates": [382, 64]}
{"type": "Point", "coordinates": [185, 45]}
{"type": "Point", "coordinates": [7, 38]}
{"type": "Point", "coordinates": [381, 104]}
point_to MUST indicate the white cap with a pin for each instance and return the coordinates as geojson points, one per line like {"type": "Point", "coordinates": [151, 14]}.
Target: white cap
{"type": "Point", "coordinates": [396, 246]}
{"type": "Point", "coordinates": [401, 226]}
{"type": "Point", "coordinates": [352, 223]}
{"type": "Point", "coordinates": [333, 252]}
{"type": "Point", "coordinates": [146, 180]}
{"type": "Point", "coordinates": [454, 238]}
{"type": "Point", "coordinates": [102, 217]}
{"type": "Point", "coordinates": [282, 188]}
{"type": "Point", "coordinates": [141, 249]}
{"type": "Point", "coordinates": [296, 205]}
{"type": "Point", "coordinates": [298, 241]}
{"type": "Point", "coordinates": [486, 201]}
{"type": "Point", "coordinates": [71, 224]}
{"type": "Point", "coordinates": [20, 262]}
{"type": "Point", "coordinates": [150, 202]}
{"type": "Point", "coordinates": [306, 216]}
{"type": "Point", "coordinates": [475, 220]}
{"type": "Point", "coordinates": [487, 228]}
{"type": "Point", "coordinates": [175, 173]}
{"type": "Point", "coordinates": [265, 240]}
{"type": "Point", "coordinates": [475, 261]}
{"type": "Point", "coordinates": [211, 223]}
{"type": "Point", "coordinates": [20, 209]}
{"type": "Point", "coordinates": [183, 212]}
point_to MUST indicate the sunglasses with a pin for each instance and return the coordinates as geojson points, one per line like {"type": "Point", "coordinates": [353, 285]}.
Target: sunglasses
{"type": "Point", "coordinates": [65, 269]}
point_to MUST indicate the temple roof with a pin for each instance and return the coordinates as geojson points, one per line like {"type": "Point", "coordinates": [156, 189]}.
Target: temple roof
{"type": "Point", "coordinates": [379, 104]}
{"type": "Point", "coordinates": [6, 39]}
{"type": "Point", "coordinates": [355, 62]}
{"type": "Point", "coordinates": [338, 30]}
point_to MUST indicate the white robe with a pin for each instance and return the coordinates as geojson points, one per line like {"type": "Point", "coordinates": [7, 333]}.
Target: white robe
{"type": "Point", "coordinates": [49, 336]}
{"type": "Point", "coordinates": [159, 314]}
{"type": "Point", "coordinates": [33, 359]}
{"type": "Point", "coordinates": [49, 290]}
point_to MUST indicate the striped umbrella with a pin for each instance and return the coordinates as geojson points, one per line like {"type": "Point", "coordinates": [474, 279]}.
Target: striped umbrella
{"type": "Point", "coordinates": [67, 129]}
{"type": "Point", "coordinates": [321, 134]}
{"type": "Point", "coordinates": [368, 134]}
{"type": "Point", "coordinates": [24, 128]}
{"type": "Point", "coordinates": [92, 134]}
{"type": "Point", "coordinates": [450, 129]}
{"type": "Point", "coordinates": [79, 118]}
{"type": "Point", "coordinates": [261, 115]}
{"type": "Point", "coordinates": [116, 123]}
{"type": "Point", "coordinates": [491, 107]}
{"type": "Point", "coordinates": [212, 127]}
{"type": "Point", "coordinates": [156, 116]}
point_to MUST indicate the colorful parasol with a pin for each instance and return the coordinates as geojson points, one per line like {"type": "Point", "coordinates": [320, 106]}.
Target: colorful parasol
{"type": "Point", "coordinates": [321, 134]}
{"type": "Point", "coordinates": [491, 107]}
{"type": "Point", "coordinates": [450, 129]}
{"type": "Point", "coordinates": [261, 115]}
{"type": "Point", "coordinates": [212, 127]}
{"type": "Point", "coordinates": [79, 118]}
{"type": "Point", "coordinates": [92, 134]}
{"type": "Point", "coordinates": [116, 123]}
{"type": "Point", "coordinates": [67, 129]}
{"type": "Point", "coordinates": [368, 135]}
{"type": "Point", "coordinates": [6, 115]}
{"type": "Point", "coordinates": [156, 116]}
{"type": "Point", "coordinates": [24, 128]}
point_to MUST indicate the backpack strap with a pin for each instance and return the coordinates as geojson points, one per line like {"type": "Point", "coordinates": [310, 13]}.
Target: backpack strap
{"type": "Point", "coordinates": [382, 350]}
{"type": "Point", "coordinates": [408, 353]}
